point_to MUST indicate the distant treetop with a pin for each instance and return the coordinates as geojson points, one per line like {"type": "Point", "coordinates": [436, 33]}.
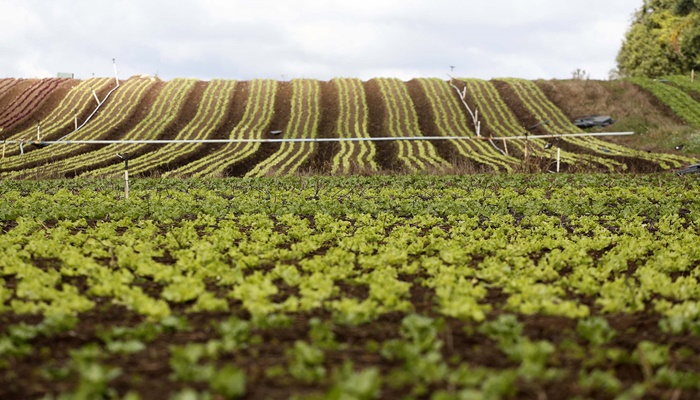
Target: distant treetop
{"type": "Point", "coordinates": [664, 39]}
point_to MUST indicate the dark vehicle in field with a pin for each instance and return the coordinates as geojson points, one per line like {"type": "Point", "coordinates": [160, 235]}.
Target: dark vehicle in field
{"type": "Point", "coordinates": [590, 121]}
{"type": "Point", "coordinates": [693, 169]}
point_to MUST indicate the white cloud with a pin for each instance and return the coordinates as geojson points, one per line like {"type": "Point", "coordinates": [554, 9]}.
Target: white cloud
{"type": "Point", "coordinates": [246, 39]}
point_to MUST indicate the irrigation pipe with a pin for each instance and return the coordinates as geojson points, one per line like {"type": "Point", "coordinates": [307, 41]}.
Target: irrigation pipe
{"type": "Point", "coordinates": [93, 112]}
{"type": "Point", "coordinates": [99, 103]}
{"type": "Point", "coordinates": [310, 140]}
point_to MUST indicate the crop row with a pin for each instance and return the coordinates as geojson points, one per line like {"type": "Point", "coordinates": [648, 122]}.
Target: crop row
{"type": "Point", "coordinates": [500, 120]}
{"type": "Point", "coordinates": [402, 121]}
{"type": "Point", "coordinates": [680, 102]}
{"type": "Point", "coordinates": [450, 121]}
{"type": "Point", "coordinates": [211, 113]}
{"type": "Point", "coordinates": [500, 287]}
{"type": "Point", "coordinates": [114, 114]}
{"type": "Point", "coordinates": [28, 101]}
{"type": "Point", "coordinates": [164, 111]}
{"type": "Point", "coordinates": [352, 123]}
{"type": "Point", "coordinates": [78, 100]}
{"type": "Point", "coordinates": [303, 123]}
{"type": "Point", "coordinates": [543, 109]}
{"type": "Point", "coordinates": [683, 82]}
{"type": "Point", "coordinates": [259, 110]}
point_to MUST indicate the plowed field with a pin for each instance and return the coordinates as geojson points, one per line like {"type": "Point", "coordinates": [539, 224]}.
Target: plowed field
{"type": "Point", "coordinates": [342, 108]}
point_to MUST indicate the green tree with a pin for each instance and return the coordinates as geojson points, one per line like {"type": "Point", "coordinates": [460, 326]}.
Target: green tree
{"type": "Point", "coordinates": [664, 39]}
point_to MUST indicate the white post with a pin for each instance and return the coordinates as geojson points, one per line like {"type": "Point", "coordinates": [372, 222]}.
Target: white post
{"type": "Point", "coordinates": [125, 157]}
{"type": "Point", "coordinates": [95, 95]}
{"type": "Point", "coordinates": [558, 158]}
{"type": "Point", "coordinates": [38, 131]}
{"type": "Point", "coordinates": [116, 76]}
{"type": "Point", "coordinates": [126, 183]}
{"type": "Point", "coordinates": [477, 123]}
{"type": "Point", "coordinates": [527, 147]}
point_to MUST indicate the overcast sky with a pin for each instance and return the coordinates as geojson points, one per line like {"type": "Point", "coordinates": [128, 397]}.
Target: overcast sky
{"type": "Point", "coordinates": [322, 39]}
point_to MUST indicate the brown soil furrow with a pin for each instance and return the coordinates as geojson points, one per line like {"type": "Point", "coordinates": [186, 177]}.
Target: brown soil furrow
{"type": "Point", "coordinates": [29, 101]}
{"type": "Point", "coordinates": [233, 99]}
{"type": "Point", "coordinates": [45, 107]}
{"type": "Point", "coordinates": [14, 93]}
{"type": "Point", "coordinates": [387, 152]}
{"type": "Point", "coordinates": [6, 84]}
{"type": "Point", "coordinates": [428, 126]}
{"type": "Point", "coordinates": [122, 111]}
{"type": "Point", "coordinates": [327, 128]}
{"type": "Point", "coordinates": [256, 114]}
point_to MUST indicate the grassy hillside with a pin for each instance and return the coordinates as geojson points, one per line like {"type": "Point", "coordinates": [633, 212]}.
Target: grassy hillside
{"type": "Point", "coordinates": [635, 108]}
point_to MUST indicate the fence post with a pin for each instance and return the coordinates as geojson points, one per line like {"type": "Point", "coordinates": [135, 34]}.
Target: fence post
{"type": "Point", "coordinates": [125, 157]}
{"type": "Point", "coordinates": [558, 158]}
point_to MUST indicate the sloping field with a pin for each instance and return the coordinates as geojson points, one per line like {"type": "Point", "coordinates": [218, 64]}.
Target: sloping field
{"type": "Point", "coordinates": [259, 110]}
{"type": "Point", "coordinates": [146, 108]}
{"type": "Point", "coordinates": [212, 108]}
{"type": "Point", "coordinates": [303, 123]}
{"type": "Point", "coordinates": [352, 122]}
{"type": "Point", "coordinates": [500, 120]}
{"type": "Point", "coordinates": [30, 100]}
{"type": "Point", "coordinates": [110, 123]}
{"type": "Point", "coordinates": [73, 108]}
{"type": "Point", "coordinates": [163, 113]}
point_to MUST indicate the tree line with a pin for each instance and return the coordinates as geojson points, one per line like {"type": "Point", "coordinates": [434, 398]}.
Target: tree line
{"type": "Point", "coordinates": [664, 39]}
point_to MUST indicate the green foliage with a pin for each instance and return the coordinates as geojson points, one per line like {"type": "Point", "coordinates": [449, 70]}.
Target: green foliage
{"type": "Point", "coordinates": [663, 40]}
{"type": "Point", "coordinates": [228, 381]}
{"type": "Point", "coordinates": [595, 330]}
{"type": "Point", "coordinates": [679, 101]}
{"type": "Point", "coordinates": [93, 377]}
{"type": "Point", "coordinates": [419, 349]}
{"type": "Point", "coordinates": [454, 270]}
{"type": "Point", "coordinates": [306, 362]}
{"type": "Point", "coordinates": [505, 329]}
{"type": "Point", "coordinates": [605, 381]}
